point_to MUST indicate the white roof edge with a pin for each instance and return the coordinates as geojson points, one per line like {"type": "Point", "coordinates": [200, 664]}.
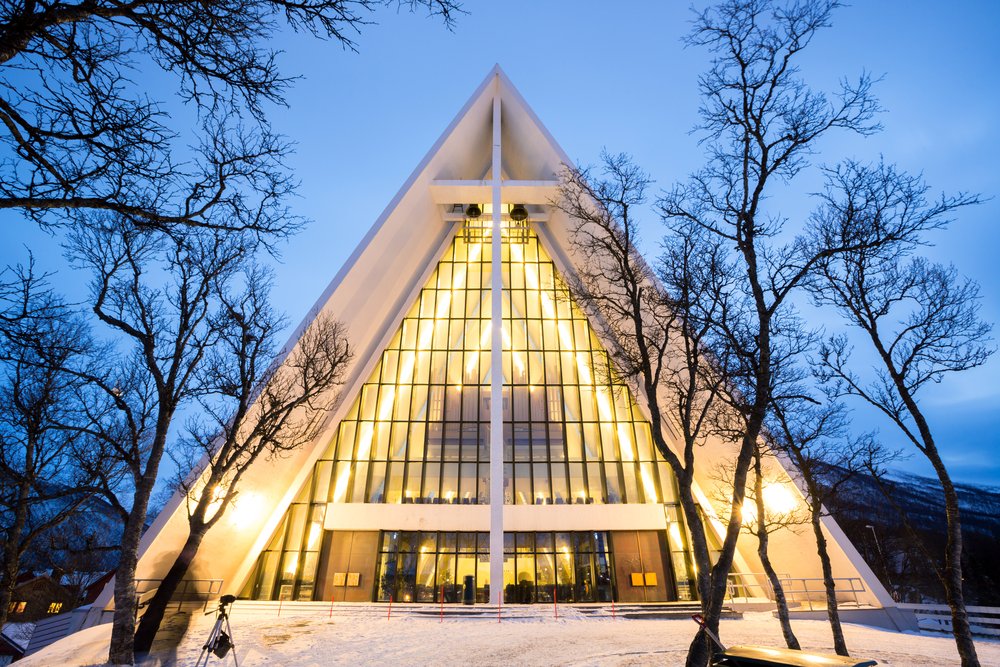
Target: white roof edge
{"type": "Point", "coordinates": [359, 250]}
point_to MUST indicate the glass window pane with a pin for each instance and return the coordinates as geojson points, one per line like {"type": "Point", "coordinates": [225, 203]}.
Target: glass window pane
{"type": "Point", "coordinates": [560, 486]}
{"type": "Point", "coordinates": [613, 481]}
{"type": "Point", "coordinates": [359, 482]}
{"type": "Point", "coordinates": [449, 482]}
{"type": "Point", "coordinates": [432, 473]}
{"type": "Point", "coordinates": [345, 440]}
{"type": "Point", "coordinates": [413, 479]}
{"type": "Point", "coordinates": [416, 441]}
{"type": "Point", "coordinates": [394, 484]}
{"type": "Point", "coordinates": [522, 483]}
{"type": "Point", "coordinates": [595, 484]}
{"type": "Point", "coordinates": [543, 493]}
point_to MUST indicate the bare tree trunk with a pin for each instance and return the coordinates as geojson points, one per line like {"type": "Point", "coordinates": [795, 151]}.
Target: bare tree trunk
{"type": "Point", "coordinates": [703, 579]}
{"type": "Point", "coordinates": [122, 651]}
{"type": "Point", "coordinates": [953, 550]}
{"type": "Point", "coordinates": [765, 560]}
{"type": "Point", "coordinates": [702, 648]}
{"type": "Point", "coordinates": [12, 551]}
{"type": "Point", "coordinates": [839, 644]}
{"type": "Point", "coordinates": [151, 620]}
{"type": "Point", "coordinates": [953, 566]}
{"type": "Point", "coordinates": [779, 595]}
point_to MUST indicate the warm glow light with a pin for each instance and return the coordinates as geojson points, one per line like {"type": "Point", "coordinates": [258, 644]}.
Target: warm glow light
{"type": "Point", "coordinates": [315, 532]}
{"type": "Point", "coordinates": [648, 485]}
{"type": "Point", "coordinates": [292, 564]}
{"type": "Point", "coordinates": [406, 370]}
{"type": "Point", "coordinates": [605, 403]}
{"type": "Point", "coordinates": [674, 531]}
{"type": "Point", "coordinates": [778, 499]}
{"type": "Point", "coordinates": [218, 493]}
{"type": "Point", "coordinates": [340, 488]}
{"type": "Point", "coordinates": [247, 508]}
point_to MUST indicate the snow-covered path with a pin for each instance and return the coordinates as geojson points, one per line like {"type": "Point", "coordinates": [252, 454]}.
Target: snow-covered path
{"type": "Point", "coordinates": [572, 640]}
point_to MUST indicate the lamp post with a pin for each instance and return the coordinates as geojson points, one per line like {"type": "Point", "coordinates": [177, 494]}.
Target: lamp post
{"type": "Point", "coordinates": [881, 556]}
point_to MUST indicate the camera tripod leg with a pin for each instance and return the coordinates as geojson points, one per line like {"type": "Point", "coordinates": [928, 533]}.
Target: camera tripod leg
{"type": "Point", "coordinates": [232, 644]}
{"type": "Point", "coordinates": [206, 649]}
{"type": "Point", "coordinates": [219, 643]}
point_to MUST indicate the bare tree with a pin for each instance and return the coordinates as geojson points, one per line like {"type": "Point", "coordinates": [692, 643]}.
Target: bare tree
{"type": "Point", "coordinates": [760, 519]}
{"type": "Point", "coordinates": [40, 484]}
{"type": "Point", "coordinates": [253, 407]}
{"type": "Point", "coordinates": [83, 134]}
{"type": "Point", "coordinates": [659, 324]}
{"type": "Point", "coordinates": [813, 436]}
{"type": "Point", "coordinates": [760, 123]}
{"type": "Point", "coordinates": [919, 318]}
{"type": "Point", "coordinates": [157, 294]}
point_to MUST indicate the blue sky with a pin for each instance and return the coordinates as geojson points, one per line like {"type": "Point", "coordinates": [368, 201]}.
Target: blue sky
{"type": "Point", "coordinates": [616, 75]}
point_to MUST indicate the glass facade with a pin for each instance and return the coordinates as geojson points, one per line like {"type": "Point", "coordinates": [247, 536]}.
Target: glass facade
{"type": "Point", "coordinates": [418, 431]}
{"type": "Point", "coordinates": [563, 567]}
{"type": "Point", "coordinates": [538, 567]}
{"type": "Point", "coordinates": [286, 568]}
{"type": "Point", "coordinates": [423, 566]}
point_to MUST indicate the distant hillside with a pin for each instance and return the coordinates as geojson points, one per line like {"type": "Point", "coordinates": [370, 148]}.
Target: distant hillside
{"type": "Point", "coordinates": [873, 523]}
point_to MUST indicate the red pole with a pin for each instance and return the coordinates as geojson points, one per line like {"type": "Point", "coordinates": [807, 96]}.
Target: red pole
{"type": "Point", "coordinates": [389, 615]}
{"type": "Point", "coordinates": [279, 607]}
{"type": "Point", "coordinates": [499, 606]}
{"type": "Point", "coordinates": [331, 608]}
{"type": "Point", "coordinates": [442, 604]}
{"type": "Point", "coordinates": [612, 606]}
{"type": "Point", "coordinates": [555, 599]}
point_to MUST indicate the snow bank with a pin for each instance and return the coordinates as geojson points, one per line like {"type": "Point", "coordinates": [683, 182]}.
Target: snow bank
{"type": "Point", "coordinates": [572, 640]}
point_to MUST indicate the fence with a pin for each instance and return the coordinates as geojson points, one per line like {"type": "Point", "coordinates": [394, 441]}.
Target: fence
{"type": "Point", "coordinates": [813, 591]}
{"type": "Point", "coordinates": [254, 609]}
{"type": "Point", "coordinates": [985, 621]}
{"type": "Point", "coordinates": [744, 585]}
{"type": "Point", "coordinates": [189, 591]}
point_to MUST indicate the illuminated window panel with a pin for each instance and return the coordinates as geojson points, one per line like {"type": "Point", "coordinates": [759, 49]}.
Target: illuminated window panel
{"type": "Point", "coordinates": [418, 430]}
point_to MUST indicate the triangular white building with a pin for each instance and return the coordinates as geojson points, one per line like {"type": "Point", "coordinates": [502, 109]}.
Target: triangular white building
{"type": "Point", "coordinates": [419, 478]}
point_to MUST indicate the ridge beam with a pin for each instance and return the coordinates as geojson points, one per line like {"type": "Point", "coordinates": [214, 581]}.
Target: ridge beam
{"type": "Point", "coordinates": [511, 192]}
{"type": "Point", "coordinates": [496, 372]}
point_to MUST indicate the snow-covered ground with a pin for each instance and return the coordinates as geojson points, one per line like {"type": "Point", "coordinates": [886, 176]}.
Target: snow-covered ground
{"type": "Point", "coordinates": [573, 639]}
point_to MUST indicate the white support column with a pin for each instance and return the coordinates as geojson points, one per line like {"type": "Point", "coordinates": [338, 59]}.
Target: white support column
{"type": "Point", "coordinates": [496, 374]}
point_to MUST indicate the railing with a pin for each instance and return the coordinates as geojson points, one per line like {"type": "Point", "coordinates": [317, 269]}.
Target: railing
{"type": "Point", "coordinates": [188, 591]}
{"type": "Point", "coordinates": [985, 621]}
{"type": "Point", "coordinates": [744, 584]}
{"type": "Point", "coordinates": [801, 590]}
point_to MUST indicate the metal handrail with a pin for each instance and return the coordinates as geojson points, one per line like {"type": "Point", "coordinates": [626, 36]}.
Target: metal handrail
{"type": "Point", "coordinates": [736, 582]}
{"type": "Point", "coordinates": [187, 591]}
{"type": "Point", "coordinates": [805, 593]}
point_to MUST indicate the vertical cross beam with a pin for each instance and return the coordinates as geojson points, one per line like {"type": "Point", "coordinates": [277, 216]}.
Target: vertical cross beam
{"type": "Point", "coordinates": [496, 373]}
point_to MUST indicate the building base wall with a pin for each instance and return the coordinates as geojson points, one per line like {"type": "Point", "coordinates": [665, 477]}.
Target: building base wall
{"type": "Point", "coordinates": [641, 568]}
{"type": "Point", "coordinates": [347, 566]}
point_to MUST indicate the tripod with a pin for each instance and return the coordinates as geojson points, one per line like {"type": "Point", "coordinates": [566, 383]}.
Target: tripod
{"type": "Point", "coordinates": [220, 642]}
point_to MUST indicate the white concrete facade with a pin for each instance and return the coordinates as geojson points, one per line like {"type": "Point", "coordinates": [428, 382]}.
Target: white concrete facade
{"type": "Point", "coordinates": [495, 151]}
